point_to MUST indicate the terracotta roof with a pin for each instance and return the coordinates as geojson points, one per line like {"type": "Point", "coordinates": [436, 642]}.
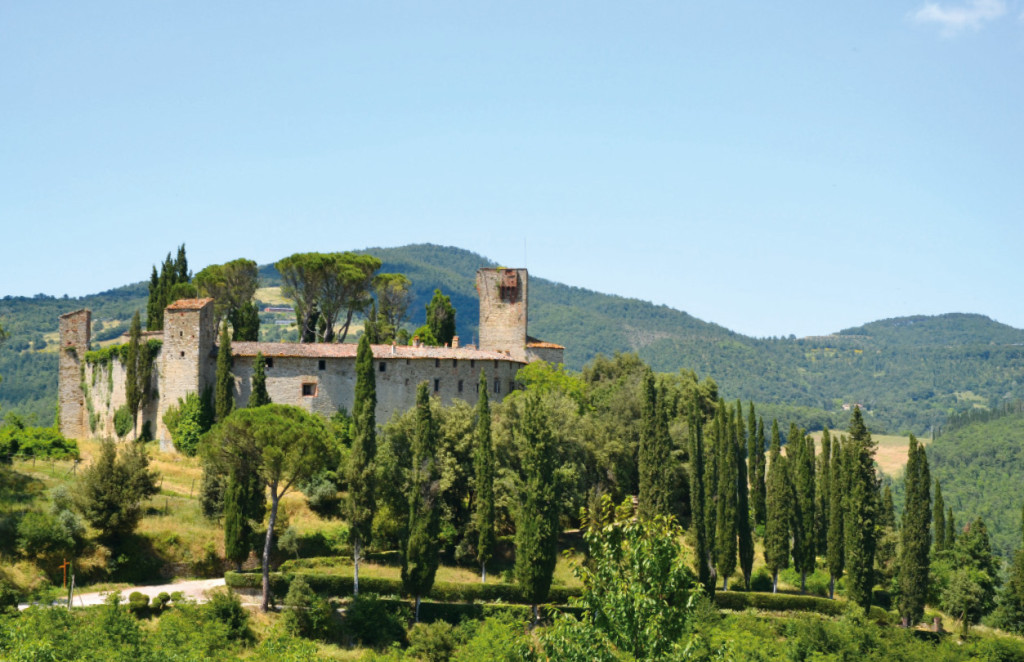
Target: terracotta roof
{"type": "Point", "coordinates": [348, 350]}
{"type": "Point", "coordinates": [540, 344]}
{"type": "Point", "coordinates": [189, 304]}
{"type": "Point", "coordinates": [74, 312]}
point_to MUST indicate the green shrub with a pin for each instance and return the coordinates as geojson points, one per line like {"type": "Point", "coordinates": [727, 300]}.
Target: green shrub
{"type": "Point", "coordinates": [374, 623]}
{"type": "Point", "coordinates": [761, 580]}
{"type": "Point", "coordinates": [138, 603]}
{"type": "Point", "coordinates": [433, 642]}
{"type": "Point", "coordinates": [225, 607]}
{"type": "Point", "coordinates": [308, 615]}
{"type": "Point", "coordinates": [123, 421]}
{"type": "Point", "coordinates": [738, 601]}
{"type": "Point", "coordinates": [161, 600]}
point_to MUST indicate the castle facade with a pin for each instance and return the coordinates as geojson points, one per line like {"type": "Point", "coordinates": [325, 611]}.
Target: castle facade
{"type": "Point", "coordinates": [318, 377]}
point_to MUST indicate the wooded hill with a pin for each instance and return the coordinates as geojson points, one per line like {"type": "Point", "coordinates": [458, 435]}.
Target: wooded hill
{"type": "Point", "coordinates": [908, 373]}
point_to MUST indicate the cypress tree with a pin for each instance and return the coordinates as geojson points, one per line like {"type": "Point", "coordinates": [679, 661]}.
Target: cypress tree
{"type": "Point", "coordinates": [483, 462]}
{"type": "Point", "coordinates": [245, 322]}
{"type": "Point", "coordinates": [836, 548]}
{"type": "Point", "coordinates": [950, 529]}
{"type": "Point", "coordinates": [537, 523]}
{"type": "Point", "coordinates": [654, 455]}
{"type": "Point", "coordinates": [755, 458]}
{"type": "Point", "coordinates": [361, 504]}
{"type": "Point", "coordinates": [237, 530]}
{"type": "Point", "coordinates": [419, 563]}
{"type": "Point", "coordinates": [779, 510]}
{"type": "Point", "coordinates": [712, 465]}
{"type": "Point", "coordinates": [154, 316]}
{"type": "Point", "coordinates": [939, 516]}
{"type": "Point", "coordinates": [697, 498]}
{"type": "Point", "coordinates": [914, 535]}
{"type": "Point", "coordinates": [258, 395]}
{"type": "Point", "coordinates": [725, 545]}
{"type": "Point", "coordinates": [743, 529]}
{"type": "Point", "coordinates": [887, 512]}
{"type": "Point", "coordinates": [801, 464]}
{"type": "Point", "coordinates": [823, 474]}
{"type": "Point", "coordinates": [224, 396]}
{"type": "Point", "coordinates": [760, 488]}
{"type": "Point", "coordinates": [861, 515]}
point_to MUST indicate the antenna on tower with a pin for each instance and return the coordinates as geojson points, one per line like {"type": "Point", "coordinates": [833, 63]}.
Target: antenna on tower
{"type": "Point", "coordinates": [524, 253]}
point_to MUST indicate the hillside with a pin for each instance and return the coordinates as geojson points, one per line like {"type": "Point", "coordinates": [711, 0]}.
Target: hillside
{"type": "Point", "coordinates": [909, 373]}
{"type": "Point", "coordinates": [980, 467]}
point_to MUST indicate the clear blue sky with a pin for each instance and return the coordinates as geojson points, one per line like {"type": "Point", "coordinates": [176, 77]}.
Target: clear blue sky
{"type": "Point", "coordinates": [776, 168]}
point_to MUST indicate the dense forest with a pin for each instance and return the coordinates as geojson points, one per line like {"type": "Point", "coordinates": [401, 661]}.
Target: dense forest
{"type": "Point", "coordinates": [908, 373]}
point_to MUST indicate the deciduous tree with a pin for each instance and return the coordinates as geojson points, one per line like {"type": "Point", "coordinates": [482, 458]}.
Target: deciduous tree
{"type": "Point", "coordinates": [285, 446]}
{"type": "Point", "coordinates": [111, 490]}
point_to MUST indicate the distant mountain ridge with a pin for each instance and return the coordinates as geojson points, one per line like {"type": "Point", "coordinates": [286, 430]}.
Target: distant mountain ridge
{"type": "Point", "coordinates": [909, 372]}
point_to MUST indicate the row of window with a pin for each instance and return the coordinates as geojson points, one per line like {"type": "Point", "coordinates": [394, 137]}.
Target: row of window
{"type": "Point", "coordinates": [321, 364]}
{"type": "Point", "coordinates": [309, 388]}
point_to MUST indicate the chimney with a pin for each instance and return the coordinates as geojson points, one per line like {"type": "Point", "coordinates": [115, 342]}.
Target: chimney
{"type": "Point", "coordinates": [393, 349]}
{"type": "Point", "coordinates": [455, 342]}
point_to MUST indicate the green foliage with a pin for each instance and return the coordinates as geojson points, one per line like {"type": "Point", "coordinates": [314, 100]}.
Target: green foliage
{"type": "Point", "coordinates": [779, 507]}
{"type": "Point", "coordinates": [322, 286]}
{"type": "Point", "coordinates": [226, 608]}
{"type": "Point", "coordinates": [988, 453]}
{"type": "Point", "coordinates": [167, 288]}
{"type": "Point", "coordinates": [258, 395]}
{"type": "Point", "coordinates": [19, 440]}
{"type": "Point", "coordinates": [187, 422]}
{"type": "Point", "coordinates": [370, 622]}
{"type": "Point", "coordinates": [224, 390]}
{"type": "Point", "coordinates": [138, 603]}
{"type": "Point", "coordinates": [744, 532]}
{"type": "Point", "coordinates": [800, 461]}
{"type": "Point", "coordinates": [441, 319]}
{"type": "Point", "coordinates": [421, 557]}
{"type": "Point", "coordinates": [537, 517]}
{"type": "Point", "coordinates": [654, 455]}
{"type": "Point", "coordinates": [393, 295]}
{"type": "Point", "coordinates": [861, 515]}
{"type": "Point", "coordinates": [359, 472]}
{"type": "Point", "coordinates": [123, 421]}
{"type": "Point", "coordinates": [915, 540]}
{"type": "Point", "coordinates": [110, 492]}
{"type": "Point", "coordinates": [232, 286]}
{"type": "Point", "coordinates": [725, 524]}
{"type": "Point", "coordinates": [281, 444]}
{"type": "Point", "coordinates": [433, 642]}
{"type": "Point", "coordinates": [636, 587]}
{"type": "Point", "coordinates": [308, 615]}
{"type": "Point", "coordinates": [697, 498]}
{"type": "Point", "coordinates": [483, 465]}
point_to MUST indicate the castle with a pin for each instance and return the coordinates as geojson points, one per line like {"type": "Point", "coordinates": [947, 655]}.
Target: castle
{"type": "Point", "coordinates": [317, 377]}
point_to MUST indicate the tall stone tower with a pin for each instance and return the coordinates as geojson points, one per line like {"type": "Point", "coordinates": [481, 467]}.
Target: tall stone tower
{"type": "Point", "coordinates": [503, 317]}
{"type": "Point", "coordinates": [188, 362]}
{"type": "Point", "coordinates": [75, 335]}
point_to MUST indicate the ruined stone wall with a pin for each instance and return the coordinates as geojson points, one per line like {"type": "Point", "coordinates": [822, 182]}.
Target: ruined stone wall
{"type": "Point", "coordinates": [103, 386]}
{"type": "Point", "coordinates": [553, 355]}
{"type": "Point", "coordinates": [186, 363]}
{"type": "Point", "coordinates": [333, 387]}
{"type": "Point", "coordinates": [503, 310]}
{"type": "Point", "coordinates": [75, 334]}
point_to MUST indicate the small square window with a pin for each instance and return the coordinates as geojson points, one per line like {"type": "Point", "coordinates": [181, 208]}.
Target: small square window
{"type": "Point", "coordinates": [321, 364]}
{"type": "Point", "coordinates": [495, 363]}
{"type": "Point", "coordinates": [309, 390]}
{"type": "Point", "coordinates": [268, 362]}
{"type": "Point", "coordinates": [407, 362]}
{"type": "Point", "coordinates": [497, 385]}
{"type": "Point", "coordinates": [460, 386]}
{"type": "Point", "coordinates": [383, 366]}
{"type": "Point", "coordinates": [472, 363]}
{"type": "Point", "coordinates": [455, 363]}
{"type": "Point", "coordinates": [437, 385]}
{"type": "Point", "coordinates": [437, 363]}
{"type": "Point", "coordinates": [183, 355]}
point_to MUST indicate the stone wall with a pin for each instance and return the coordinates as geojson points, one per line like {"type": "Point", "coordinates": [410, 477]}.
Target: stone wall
{"type": "Point", "coordinates": [333, 386]}
{"type": "Point", "coordinates": [103, 385]}
{"type": "Point", "coordinates": [503, 310]}
{"type": "Point", "coordinates": [75, 334]}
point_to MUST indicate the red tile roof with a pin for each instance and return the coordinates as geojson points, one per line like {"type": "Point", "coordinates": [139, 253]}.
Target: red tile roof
{"type": "Point", "coordinates": [348, 351]}
{"type": "Point", "coordinates": [540, 344]}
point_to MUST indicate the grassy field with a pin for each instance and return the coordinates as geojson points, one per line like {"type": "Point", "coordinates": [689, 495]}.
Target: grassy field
{"type": "Point", "coordinates": [892, 451]}
{"type": "Point", "coordinates": [272, 295]}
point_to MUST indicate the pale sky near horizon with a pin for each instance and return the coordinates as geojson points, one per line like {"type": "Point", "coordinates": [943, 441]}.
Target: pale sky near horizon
{"type": "Point", "coordinates": [775, 168]}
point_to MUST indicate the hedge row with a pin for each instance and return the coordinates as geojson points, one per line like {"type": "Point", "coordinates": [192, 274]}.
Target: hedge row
{"type": "Point", "coordinates": [456, 612]}
{"type": "Point", "coordinates": [339, 585]}
{"type": "Point", "coordinates": [739, 600]}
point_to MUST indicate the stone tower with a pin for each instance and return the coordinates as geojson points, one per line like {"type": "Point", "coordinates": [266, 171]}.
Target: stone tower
{"type": "Point", "coordinates": [503, 298]}
{"type": "Point", "coordinates": [75, 335]}
{"type": "Point", "coordinates": [188, 364]}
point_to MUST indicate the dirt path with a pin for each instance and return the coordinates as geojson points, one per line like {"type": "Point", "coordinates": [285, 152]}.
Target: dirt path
{"type": "Point", "coordinates": [193, 590]}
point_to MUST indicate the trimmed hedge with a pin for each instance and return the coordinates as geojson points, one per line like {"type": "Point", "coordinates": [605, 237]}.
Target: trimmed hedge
{"type": "Point", "coordinates": [740, 600]}
{"type": "Point", "coordinates": [339, 585]}
{"type": "Point", "coordinates": [455, 612]}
